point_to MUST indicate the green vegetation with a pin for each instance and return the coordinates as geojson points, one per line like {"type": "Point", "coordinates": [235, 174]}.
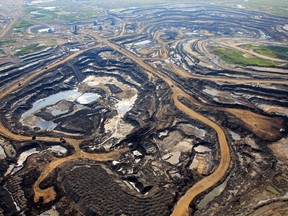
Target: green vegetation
{"type": "Point", "coordinates": [64, 10]}
{"type": "Point", "coordinates": [275, 7]}
{"type": "Point", "coordinates": [69, 10]}
{"type": "Point", "coordinates": [237, 57]}
{"type": "Point", "coordinates": [41, 12]}
{"type": "Point", "coordinates": [2, 52]}
{"type": "Point", "coordinates": [30, 49]}
{"type": "Point", "coordinates": [4, 42]}
{"type": "Point", "coordinates": [92, 4]}
{"type": "Point", "coordinates": [22, 24]}
{"type": "Point", "coordinates": [271, 189]}
{"type": "Point", "coordinates": [272, 51]}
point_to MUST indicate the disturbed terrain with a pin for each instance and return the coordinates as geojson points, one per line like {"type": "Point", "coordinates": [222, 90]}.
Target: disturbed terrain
{"type": "Point", "coordinates": [173, 109]}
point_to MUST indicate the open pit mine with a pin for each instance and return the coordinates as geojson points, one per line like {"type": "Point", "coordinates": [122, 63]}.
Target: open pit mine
{"type": "Point", "coordinates": [163, 110]}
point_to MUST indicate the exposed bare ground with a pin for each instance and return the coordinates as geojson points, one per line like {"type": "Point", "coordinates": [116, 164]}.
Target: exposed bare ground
{"type": "Point", "coordinates": [263, 126]}
{"type": "Point", "coordinates": [49, 194]}
{"type": "Point", "coordinates": [9, 27]}
{"type": "Point", "coordinates": [182, 207]}
{"type": "Point", "coordinates": [247, 51]}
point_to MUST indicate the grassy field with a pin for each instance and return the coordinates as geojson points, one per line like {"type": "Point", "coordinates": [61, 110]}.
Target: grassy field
{"type": "Point", "coordinates": [21, 24]}
{"type": "Point", "coordinates": [63, 10]}
{"type": "Point", "coordinates": [104, 4]}
{"type": "Point", "coordinates": [237, 57]}
{"type": "Point", "coordinates": [40, 13]}
{"type": "Point", "coordinates": [69, 10]}
{"type": "Point", "coordinates": [272, 51]}
{"type": "Point", "coordinates": [30, 49]}
{"type": "Point", "coordinates": [4, 42]}
{"type": "Point", "coordinates": [271, 189]}
{"type": "Point", "coordinates": [275, 7]}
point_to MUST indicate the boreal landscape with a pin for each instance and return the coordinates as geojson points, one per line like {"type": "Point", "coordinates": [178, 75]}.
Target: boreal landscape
{"type": "Point", "coordinates": [144, 107]}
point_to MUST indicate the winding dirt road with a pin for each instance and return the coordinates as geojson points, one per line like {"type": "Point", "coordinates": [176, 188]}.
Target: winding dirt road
{"type": "Point", "coordinates": [49, 194]}
{"type": "Point", "coordinates": [182, 207]}
{"type": "Point", "coordinates": [37, 73]}
{"type": "Point", "coordinates": [6, 133]}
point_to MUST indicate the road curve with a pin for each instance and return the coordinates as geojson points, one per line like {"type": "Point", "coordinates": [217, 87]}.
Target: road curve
{"type": "Point", "coordinates": [6, 133]}
{"type": "Point", "coordinates": [49, 194]}
{"type": "Point", "coordinates": [182, 207]}
{"type": "Point", "coordinates": [37, 73]}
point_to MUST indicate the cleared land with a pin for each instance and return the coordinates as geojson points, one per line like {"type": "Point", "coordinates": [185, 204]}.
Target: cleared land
{"type": "Point", "coordinates": [137, 49]}
{"type": "Point", "coordinates": [271, 51]}
{"type": "Point", "coordinates": [238, 57]}
{"type": "Point", "coordinates": [30, 49]}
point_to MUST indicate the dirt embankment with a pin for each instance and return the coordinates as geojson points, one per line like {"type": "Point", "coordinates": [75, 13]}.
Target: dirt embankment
{"type": "Point", "coordinates": [182, 207]}
{"type": "Point", "coordinates": [265, 127]}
